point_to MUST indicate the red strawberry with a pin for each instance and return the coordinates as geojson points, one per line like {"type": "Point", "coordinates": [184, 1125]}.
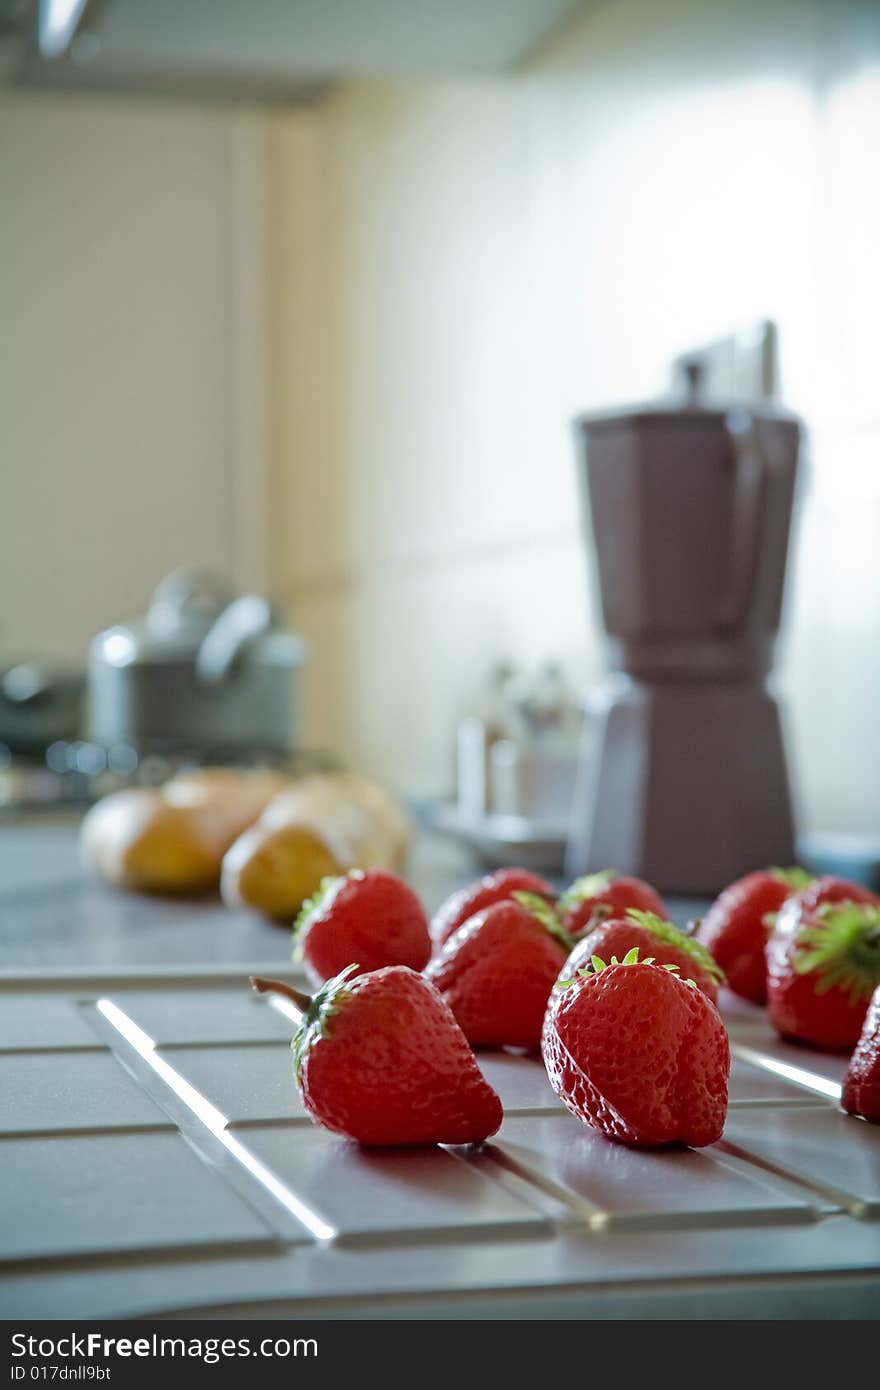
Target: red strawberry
{"type": "Point", "coordinates": [367, 915]}
{"type": "Point", "coordinates": [496, 972]}
{"type": "Point", "coordinates": [381, 1059]}
{"type": "Point", "coordinates": [653, 937]}
{"type": "Point", "coordinates": [639, 1054]}
{"type": "Point", "coordinates": [823, 963]}
{"type": "Point", "coordinates": [592, 899]}
{"type": "Point", "coordinates": [494, 888]}
{"type": "Point", "coordinates": [861, 1085]}
{"type": "Point", "coordinates": [736, 927]}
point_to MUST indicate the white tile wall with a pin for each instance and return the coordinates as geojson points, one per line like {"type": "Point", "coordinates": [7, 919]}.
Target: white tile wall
{"type": "Point", "coordinates": [463, 268]}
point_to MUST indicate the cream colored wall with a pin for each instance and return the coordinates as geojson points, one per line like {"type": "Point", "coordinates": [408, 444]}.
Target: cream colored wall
{"type": "Point", "coordinates": [419, 539]}
{"type": "Point", "coordinates": [462, 268]}
{"type": "Point", "coordinates": [132, 261]}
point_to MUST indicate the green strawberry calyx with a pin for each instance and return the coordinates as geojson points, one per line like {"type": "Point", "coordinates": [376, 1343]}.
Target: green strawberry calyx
{"type": "Point", "coordinates": [316, 1019]}
{"type": "Point", "coordinates": [320, 899]}
{"type": "Point", "coordinates": [842, 950]}
{"type": "Point", "coordinates": [316, 901]}
{"type": "Point", "coordinates": [794, 878]}
{"type": "Point", "coordinates": [544, 913]}
{"type": "Point", "coordinates": [673, 936]}
{"type": "Point", "coordinates": [597, 965]}
{"type": "Point", "coordinates": [590, 886]}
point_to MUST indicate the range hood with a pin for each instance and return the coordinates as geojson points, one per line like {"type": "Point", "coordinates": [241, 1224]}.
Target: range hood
{"type": "Point", "coordinates": [271, 50]}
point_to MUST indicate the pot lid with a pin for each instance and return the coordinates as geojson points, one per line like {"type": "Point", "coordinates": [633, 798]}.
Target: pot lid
{"type": "Point", "coordinates": [195, 615]}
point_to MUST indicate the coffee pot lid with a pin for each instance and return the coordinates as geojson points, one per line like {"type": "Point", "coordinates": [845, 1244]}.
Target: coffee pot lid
{"type": "Point", "coordinates": [696, 414]}
{"type": "Point", "coordinates": [690, 405]}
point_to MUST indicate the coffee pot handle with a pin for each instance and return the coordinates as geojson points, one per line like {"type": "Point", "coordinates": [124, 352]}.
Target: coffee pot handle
{"type": "Point", "coordinates": [749, 493]}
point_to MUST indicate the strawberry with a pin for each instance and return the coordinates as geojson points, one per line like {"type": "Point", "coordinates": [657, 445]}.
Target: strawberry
{"type": "Point", "coordinates": [380, 1058]}
{"type": "Point", "coordinates": [367, 915]}
{"type": "Point", "coordinates": [592, 899]}
{"type": "Point", "coordinates": [496, 972]}
{"type": "Point", "coordinates": [653, 937]}
{"type": "Point", "coordinates": [823, 963]}
{"type": "Point", "coordinates": [494, 888]}
{"type": "Point", "coordinates": [736, 927]}
{"type": "Point", "coordinates": [639, 1054]}
{"type": "Point", "coordinates": [861, 1085]}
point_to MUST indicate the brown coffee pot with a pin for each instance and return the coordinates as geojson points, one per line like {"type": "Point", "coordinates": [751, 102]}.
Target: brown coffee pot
{"type": "Point", "coordinates": [690, 511]}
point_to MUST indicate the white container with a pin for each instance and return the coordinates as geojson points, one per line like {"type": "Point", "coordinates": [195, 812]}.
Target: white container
{"type": "Point", "coordinates": [533, 781]}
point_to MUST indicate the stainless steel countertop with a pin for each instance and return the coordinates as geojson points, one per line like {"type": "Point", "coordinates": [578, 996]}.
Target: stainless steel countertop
{"type": "Point", "coordinates": [54, 916]}
{"type": "Point", "coordinates": [157, 1159]}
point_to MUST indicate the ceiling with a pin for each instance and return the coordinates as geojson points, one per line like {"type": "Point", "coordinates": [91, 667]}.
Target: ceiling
{"type": "Point", "coordinates": [279, 50]}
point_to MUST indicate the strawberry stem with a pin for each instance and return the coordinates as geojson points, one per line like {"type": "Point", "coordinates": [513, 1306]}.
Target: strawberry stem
{"type": "Point", "coordinates": [296, 996]}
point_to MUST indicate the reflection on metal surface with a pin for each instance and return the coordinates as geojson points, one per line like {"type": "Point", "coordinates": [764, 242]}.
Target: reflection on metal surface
{"type": "Point", "coordinates": [798, 1075]}
{"type": "Point", "coordinates": [285, 1007]}
{"type": "Point", "coordinates": [212, 1118]}
{"type": "Point", "coordinates": [58, 21]}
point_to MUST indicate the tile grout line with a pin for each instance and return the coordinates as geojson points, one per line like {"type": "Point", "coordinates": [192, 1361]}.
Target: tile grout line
{"type": "Point", "coordinates": [89, 1131]}
{"type": "Point", "coordinates": [64, 979]}
{"type": "Point", "coordinates": [205, 1128]}
{"type": "Point", "coordinates": [593, 1216]}
{"type": "Point", "coordinates": [135, 1256]}
{"type": "Point", "coordinates": [845, 1200]}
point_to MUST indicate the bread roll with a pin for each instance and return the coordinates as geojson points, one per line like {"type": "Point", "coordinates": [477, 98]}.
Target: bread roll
{"type": "Point", "coordinates": [240, 796]}
{"type": "Point", "coordinates": [135, 839]}
{"type": "Point", "coordinates": [173, 840]}
{"type": "Point", "coordinates": [273, 871]}
{"type": "Point", "coordinates": [319, 826]}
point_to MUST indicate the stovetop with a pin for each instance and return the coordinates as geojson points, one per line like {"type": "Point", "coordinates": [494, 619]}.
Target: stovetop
{"type": "Point", "coordinates": [69, 775]}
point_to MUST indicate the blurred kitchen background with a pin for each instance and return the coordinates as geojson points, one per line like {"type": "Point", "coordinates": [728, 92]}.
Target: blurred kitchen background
{"type": "Point", "coordinates": [308, 293]}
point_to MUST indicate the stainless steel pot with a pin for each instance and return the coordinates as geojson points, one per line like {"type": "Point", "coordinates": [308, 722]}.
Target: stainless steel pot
{"type": "Point", "coordinates": [205, 672]}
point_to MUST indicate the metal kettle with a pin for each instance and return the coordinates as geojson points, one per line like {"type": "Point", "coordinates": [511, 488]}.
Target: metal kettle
{"type": "Point", "coordinates": [206, 673]}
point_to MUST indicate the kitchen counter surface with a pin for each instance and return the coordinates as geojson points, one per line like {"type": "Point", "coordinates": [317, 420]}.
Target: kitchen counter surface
{"type": "Point", "coordinates": [53, 916]}
{"type": "Point", "coordinates": [157, 1160]}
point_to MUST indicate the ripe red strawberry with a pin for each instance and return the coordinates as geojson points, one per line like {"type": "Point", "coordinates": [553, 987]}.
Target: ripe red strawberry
{"type": "Point", "coordinates": [823, 963]}
{"type": "Point", "coordinates": [736, 927]}
{"type": "Point", "coordinates": [496, 972]}
{"type": "Point", "coordinates": [592, 899]}
{"type": "Point", "coordinates": [494, 888]}
{"type": "Point", "coordinates": [861, 1085]}
{"type": "Point", "coordinates": [639, 1054]}
{"type": "Point", "coordinates": [381, 1059]}
{"type": "Point", "coordinates": [367, 915]}
{"type": "Point", "coordinates": [653, 937]}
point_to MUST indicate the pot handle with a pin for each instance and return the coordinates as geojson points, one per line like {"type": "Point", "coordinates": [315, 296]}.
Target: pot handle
{"type": "Point", "coordinates": [749, 495]}
{"type": "Point", "coordinates": [186, 595]}
{"type": "Point", "coordinates": [241, 621]}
